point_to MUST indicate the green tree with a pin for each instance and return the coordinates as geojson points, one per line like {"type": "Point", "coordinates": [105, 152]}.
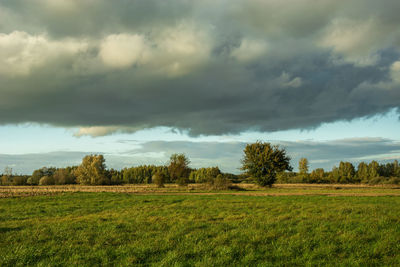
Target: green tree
{"type": "Point", "coordinates": [263, 161]}
{"type": "Point", "coordinates": [362, 172]}
{"type": "Point", "coordinates": [303, 166]}
{"type": "Point", "coordinates": [346, 172]}
{"type": "Point", "coordinates": [39, 173]}
{"type": "Point", "coordinates": [92, 171]}
{"type": "Point", "coordinates": [373, 169]}
{"type": "Point", "coordinates": [396, 169]}
{"type": "Point", "coordinates": [317, 176]}
{"type": "Point", "coordinates": [19, 180]}
{"type": "Point", "coordinates": [63, 176]}
{"type": "Point", "coordinates": [334, 175]}
{"type": "Point", "coordinates": [204, 175]}
{"type": "Point", "coordinates": [303, 170]}
{"type": "Point", "coordinates": [6, 177]}
{"type": "Point", "coordinates": [178, 168]}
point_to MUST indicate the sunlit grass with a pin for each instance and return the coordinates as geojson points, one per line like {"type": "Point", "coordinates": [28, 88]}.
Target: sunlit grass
{"type": "Point", "coordinates": [207, 230]}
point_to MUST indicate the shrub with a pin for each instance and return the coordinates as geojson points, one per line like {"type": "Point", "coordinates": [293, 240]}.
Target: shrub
{"type": "Point", "coordinates": [46, 180]}
{"type": "Point", "coordinates": [377, 180]}
{"type": "Point", "coordinates": [5, 180]}
{"type": "Point", "coordinates": [394, 180]}
{"type": "Point", "coordinates": [63, 176]}
{"type": "Point", "coordinates": [221, 183]}
{"type": "Point", "coordinates": [159, 179]}
{"type": "Point", "coordinates": [182, 181]}
{"type": "Point", "coordinates": [19, 180]}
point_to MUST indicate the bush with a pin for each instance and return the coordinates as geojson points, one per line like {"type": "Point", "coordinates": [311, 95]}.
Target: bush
{"type": "Point", "coordinates": [46, 180]}
{"type": "Point", "coordinates": [394, 180]}
{"type": "Point", "coordinates": [5, 180]}
{"type": "Point", "coordinates": [159, 179]}
{"type": "Point", "coordinates": [63, 176]}
{"type": "Point", "coordinates": [182, 181]}
{"type": "Point", "coordinates": [377, 180]}
{"type": "Point", "coordinates": [221, 183]}
{"type": "Point", "coordinates": [19, 180]}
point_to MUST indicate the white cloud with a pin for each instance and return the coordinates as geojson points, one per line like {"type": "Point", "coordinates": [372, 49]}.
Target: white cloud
{"type": "Point", "coordinates": [172, 51]}
{"type": "Point", "coordinates": [181, 49]}
{"type": "Point", "coordinates": [357, 41]}
{"type": "Point", "coordinates": [20, 52]}
{"type": "Point", "coordinates": [395, 72]}
{"type": "Point", "coordinates": [64, 5]}
{"type": "Point", "coordinates": [97, 131]}
{"type": "Point", "coordinates": [249, 50]}
{"type": "Point", "coordinates": [123, 50]}
{"type": "Point", "coordinates": [285, 80]}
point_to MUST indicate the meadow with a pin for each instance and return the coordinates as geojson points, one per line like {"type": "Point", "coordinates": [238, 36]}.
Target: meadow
{"type": "Point", "coordinates": [189, 226]}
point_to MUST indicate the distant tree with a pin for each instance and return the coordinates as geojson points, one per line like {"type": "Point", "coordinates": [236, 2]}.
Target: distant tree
{"type": "Point", "coordinates": [334, 175]}
{"type": "Point", "coordinates": [5, 180]}
{"type": "Point", "coordinates": [386, 170]}
{"type": "Point", "coordinates": [115, 176]}
{"type": "Point", "coordinates": [396, 169]}
{"type": "Point", "coordinates": [317, 175]}
{"type": "Point", "coordinates": [373, 169]}
{"type": "Point", "coordinates": [92, 171]}
{"type": "Point", "coordinates": [63, 176]}
{"type": "Point", "coordinates": [303, 171]}
{"type": "Point", "coordinates": [6, 177]}
{"type": "Point", "coordinates": [346, 172]}
{"type": "Point", "coordinates": [19, 180]}
{"type": "Point", "coordinates": [143, 174]}
{"type": "Point", "coordinates": [178, 168]}
{"type": "Point", "coordinates": [8, 171]}
{"type": "Point", "coordinates": [39, 173]}
{"type": "Point", "coordinates": [204, 175]}
{"type": "Point", "coordinates": [263, 161]}
{"type": "Point", "coordinates": [303, 166]}
{"type": "Point", "coordinates": [362, 172]}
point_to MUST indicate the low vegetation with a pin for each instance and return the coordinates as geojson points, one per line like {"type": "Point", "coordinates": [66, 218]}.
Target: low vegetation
{"type": "Point", "coordinates": [93, 229]}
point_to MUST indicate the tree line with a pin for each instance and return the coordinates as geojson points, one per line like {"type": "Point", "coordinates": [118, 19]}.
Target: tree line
{"type": "Point", "coordinates": [262, 163]}
{"type": "Point", "coordinates": [93, 171]}
{"type": "Point", "coordinates": [345, 173]}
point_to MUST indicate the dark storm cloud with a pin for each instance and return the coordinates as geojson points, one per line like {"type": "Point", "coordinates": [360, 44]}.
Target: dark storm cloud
{"type": "Point", "coordinates": [211, 67]}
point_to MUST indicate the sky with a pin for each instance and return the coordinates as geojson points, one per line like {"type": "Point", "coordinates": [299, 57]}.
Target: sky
{"type": "Point", "coordinates": [140, 80]}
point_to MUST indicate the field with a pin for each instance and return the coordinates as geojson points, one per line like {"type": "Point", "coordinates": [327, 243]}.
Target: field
{"type": "Point", "coordinates": [143, 225]}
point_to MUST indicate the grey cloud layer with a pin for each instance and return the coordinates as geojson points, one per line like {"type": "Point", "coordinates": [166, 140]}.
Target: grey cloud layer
{"type": "Point", "coordinates": [320, 154]}
{"type": "Point", "coordinates": [225, 155]}
{"type": "Point", "coordinates": [211, 67]}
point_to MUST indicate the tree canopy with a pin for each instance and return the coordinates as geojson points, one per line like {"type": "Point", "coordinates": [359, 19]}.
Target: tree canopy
{"type": "Point", "coordinates": [263, 161]}
{"type": "Point", "coordinates": [92, 171]}
{"type": "Point", "coordinates": [178, 168]}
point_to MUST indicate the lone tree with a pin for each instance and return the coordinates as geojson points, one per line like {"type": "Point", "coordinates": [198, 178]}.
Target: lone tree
{"type": "Point", "coordinates": [92, 171]}
{"type": "Point", "coordinates": [178, 168]}
{"type": "Point", "coordinates": [303, 166]}
{"type": "Point", "coordinates": [263, 161]}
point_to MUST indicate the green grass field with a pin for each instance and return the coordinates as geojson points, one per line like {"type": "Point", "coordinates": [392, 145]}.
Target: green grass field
{"type": "Point", "coordinates": [106, 228]}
